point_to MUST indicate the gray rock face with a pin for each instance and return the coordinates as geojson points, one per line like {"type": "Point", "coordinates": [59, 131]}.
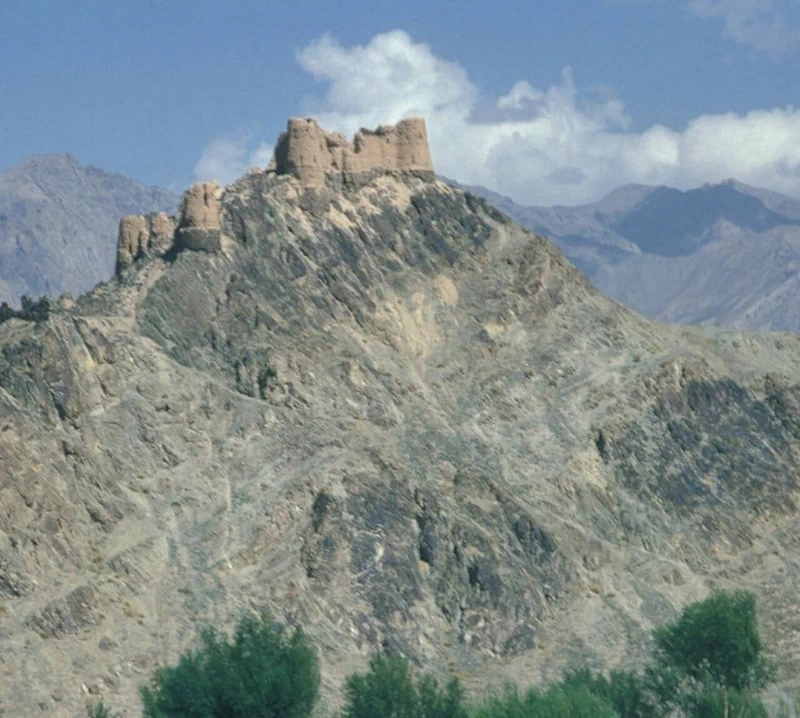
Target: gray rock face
{"type": "Point", "coordinates": [58, 221]}
{"type": "Point", "coordinates": [393, 416]}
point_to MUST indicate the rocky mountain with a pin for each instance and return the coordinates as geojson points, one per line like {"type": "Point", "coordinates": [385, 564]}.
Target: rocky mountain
{"type": "Point", "coordinates": [58, 220]}
{"type": "Point", "coordinates": [350, 394]}
{"type": "Point", "coordinates": [727, 253]}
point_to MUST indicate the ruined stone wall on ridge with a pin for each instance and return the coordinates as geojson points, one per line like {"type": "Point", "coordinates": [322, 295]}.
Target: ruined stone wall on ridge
{"type": "Point", "coordinates": [309, 153]}
{"type": "Point", "coordinates": [140, 234]}
{"type": "Point", "coordinates": [197, 227]}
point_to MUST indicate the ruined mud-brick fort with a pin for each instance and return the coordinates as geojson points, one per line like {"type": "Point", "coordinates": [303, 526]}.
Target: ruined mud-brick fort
{"type": "Point", "coordinates": [304, 152]}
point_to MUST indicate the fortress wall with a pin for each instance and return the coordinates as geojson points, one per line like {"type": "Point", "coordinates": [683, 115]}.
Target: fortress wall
{"type": "Point", "coordinates": [309, 153]}
{"type": "Point", "coordinates": [141, 235]}
{"type": "Point", "coordinates": [197, 227]}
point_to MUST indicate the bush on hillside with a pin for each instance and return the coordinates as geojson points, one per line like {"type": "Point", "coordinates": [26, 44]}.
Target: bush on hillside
{"type": "Point", "coordinates": [389, 690]}
{"type": "Point", "coordinates": [629, 693]}
{"type": "Point", "coordinates": [560, 701]}
{"type": "Point", "coordinates": [263, 672]}
{"type": "Point", "coordinates": [31, 310]}
{"type": "Point", "coordinates": [715, 646]}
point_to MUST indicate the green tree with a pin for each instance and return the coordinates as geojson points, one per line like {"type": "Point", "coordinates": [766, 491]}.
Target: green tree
{"type": "Point", "coordinates": [669, 689]}
{"type": "Point", "coordinates": [6, 313]}
{"type": "Point", "coordinates": [628, 692]}
{"type": "Point", "coordinates": [716, 644]}
{"type": "Point", "coordinates": [389, 690]}
{"type": "Point", "coordinates": [34, 310]}
{"type": "Point", "coordinates": [570, 700]}
{"type": "Point", "coordinates": [263, 672]}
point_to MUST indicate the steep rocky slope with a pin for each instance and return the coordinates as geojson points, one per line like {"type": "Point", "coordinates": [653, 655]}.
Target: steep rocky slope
{"type": "Point", "coordinates": [58, 220]}
{"type": "Point", "coordinates": [382, 410]}
{"type": "Point", "coordinates": [724, 253]}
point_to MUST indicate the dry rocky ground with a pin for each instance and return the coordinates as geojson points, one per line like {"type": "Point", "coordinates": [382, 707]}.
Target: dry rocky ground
{"type": "Point", "coordinates": [388, 414]}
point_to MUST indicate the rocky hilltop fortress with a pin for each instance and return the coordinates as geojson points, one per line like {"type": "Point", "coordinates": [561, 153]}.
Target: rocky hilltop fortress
{"type": "Point", "coordinates": [375, 407]}
{"type": "Point", "coordinates": [305, 152]}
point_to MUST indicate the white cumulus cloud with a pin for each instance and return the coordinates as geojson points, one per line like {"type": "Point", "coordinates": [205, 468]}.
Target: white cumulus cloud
{"type": "Point", "coordinates": [541, 146]}
{"type": "Point", "coordinates": [766, 26]}
{"type": "Point", "coordinates": [226, 158]}
{"type": "Point", "coordinates": [770, 27]}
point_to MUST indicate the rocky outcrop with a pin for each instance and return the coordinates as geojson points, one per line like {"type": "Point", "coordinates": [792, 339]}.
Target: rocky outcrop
{"type": "Point", "coordinates": [68, 615]}
{"type": "Point", "coordinates": [199, 227]}
{"type": "Point", "coordinates": [309, 153]}
{"type": "Point", "coordinates": [141, 235]}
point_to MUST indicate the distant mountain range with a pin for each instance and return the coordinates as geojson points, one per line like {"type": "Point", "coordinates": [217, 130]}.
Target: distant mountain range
{"type": "Point", "coordinates": [725, 253]}
{"type": "Point", "coordinates": [58, 224]}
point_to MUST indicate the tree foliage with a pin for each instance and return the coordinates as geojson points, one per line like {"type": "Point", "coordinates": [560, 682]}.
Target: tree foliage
{"type": "Point", "coordinates": [716, 640]}
{"type": "Point", "coordinates": [706, 664]}
{"type": "Point", "coordinates": [629, 693]}
{"type": "Point", "coordinates": [389, 690]}
{"type": "Point", "coordinates": [711, 704]}
{"type": "Point", "coordinates": [567, 700]}
{"type": "Point", "coordinates": [262, 673]}
{"type": "Point", "coordinates": [31, 310]}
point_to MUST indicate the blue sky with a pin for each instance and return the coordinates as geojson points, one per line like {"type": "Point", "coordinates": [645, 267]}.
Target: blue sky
{"type": "Point", "coordinates": [553, 101]}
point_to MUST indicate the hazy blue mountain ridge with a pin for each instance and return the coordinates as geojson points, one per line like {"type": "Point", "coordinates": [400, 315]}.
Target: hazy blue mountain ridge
{"type": "Point", "coordinates": [58, 224]}
{"type": "Point", "coordinates": [725, 253]}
